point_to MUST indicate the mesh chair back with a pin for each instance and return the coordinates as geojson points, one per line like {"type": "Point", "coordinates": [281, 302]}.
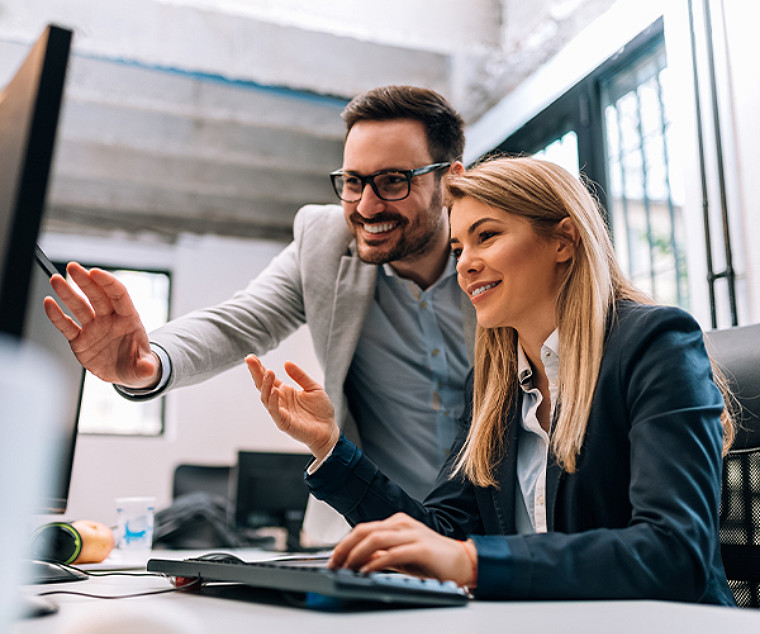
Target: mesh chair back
{"type": "Point", "coordinates": [737, 352]}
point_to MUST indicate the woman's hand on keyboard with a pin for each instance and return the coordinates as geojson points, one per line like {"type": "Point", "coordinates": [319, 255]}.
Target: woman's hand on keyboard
{"type": "Point", "coordinates": [403, 544]}
{"type": "Point", "coordinates": [305, 414]}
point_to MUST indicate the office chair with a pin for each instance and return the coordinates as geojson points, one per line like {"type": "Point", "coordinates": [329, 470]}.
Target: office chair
{"type": "Point", "coordinates": [192, 478]}
{"type": "Point", "coordinates": [200, 514]}
{"type": "Point", "coordinates": [737, 352]}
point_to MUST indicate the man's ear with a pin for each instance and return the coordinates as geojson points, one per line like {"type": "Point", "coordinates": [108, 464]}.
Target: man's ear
{"type": "Point", "coordinates": [569, 238]}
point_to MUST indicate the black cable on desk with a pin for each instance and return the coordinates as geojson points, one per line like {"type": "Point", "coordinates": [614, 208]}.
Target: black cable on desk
{"type": "Point", "coordinates": [185, 586]}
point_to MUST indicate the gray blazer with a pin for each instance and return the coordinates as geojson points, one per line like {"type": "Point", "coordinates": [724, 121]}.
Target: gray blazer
{"type": "Point", "coordinates": [319, 280]}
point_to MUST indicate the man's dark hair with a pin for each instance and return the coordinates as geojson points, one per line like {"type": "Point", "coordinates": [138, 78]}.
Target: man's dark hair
{"type": "Point", "coordinates": [444, 126]}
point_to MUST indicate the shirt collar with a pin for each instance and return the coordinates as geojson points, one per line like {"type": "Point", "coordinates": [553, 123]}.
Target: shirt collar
{"type": "Point", "coordinates": [448, 271]}
{"type": "Point", "coordinates": [524, 371]}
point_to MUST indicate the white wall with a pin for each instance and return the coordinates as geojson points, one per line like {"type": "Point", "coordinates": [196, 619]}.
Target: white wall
{"type": "Point", "coordinates": [205, 424]}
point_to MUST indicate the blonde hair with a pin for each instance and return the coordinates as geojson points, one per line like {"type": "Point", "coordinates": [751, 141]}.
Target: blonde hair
{"type": "Point", "coordinates": [544, 193]}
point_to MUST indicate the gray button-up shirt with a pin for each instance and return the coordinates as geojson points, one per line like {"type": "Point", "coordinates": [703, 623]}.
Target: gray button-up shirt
{"type": "Point", "coordinates": [406, 382]}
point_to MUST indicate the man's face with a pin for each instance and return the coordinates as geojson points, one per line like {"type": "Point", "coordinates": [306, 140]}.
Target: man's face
{"type": "Point", "coordinates": [387, 231]}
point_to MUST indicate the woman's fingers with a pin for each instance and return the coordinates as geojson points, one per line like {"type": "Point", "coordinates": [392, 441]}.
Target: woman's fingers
{"type": "Point", "coordinates": [403, 557]}
{"type": "Point", "coordinates": [357, 547]}
{"type": "Point", "coordinates": [267, 384]}
{"type": "Point", "coordinates": [299, 376]}
{"type": "Point", "coordinates": [305, 414]}
{"type": "Point", "coordinates": [256, 369]}
{"type": "Point", "coordinates": [403, 544]}
{"type": "Point", "coordinates": [343, 549]}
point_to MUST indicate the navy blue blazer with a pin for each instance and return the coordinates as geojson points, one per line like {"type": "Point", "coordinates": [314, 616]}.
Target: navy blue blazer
{"type": "Point", "coordinates": [639, 517]}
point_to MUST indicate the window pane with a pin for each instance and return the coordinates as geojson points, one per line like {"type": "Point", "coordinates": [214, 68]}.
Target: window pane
{"type": "Point", "coordinates": [644, 204]}
{"type": "Point", "coordinates": [563, 152]}
{"type": "Point", "coordinates": [103, 411]}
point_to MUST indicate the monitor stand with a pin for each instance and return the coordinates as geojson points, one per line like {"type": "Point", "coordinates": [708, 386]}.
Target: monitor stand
{"type": "Point", "coordinates": [48, 572]}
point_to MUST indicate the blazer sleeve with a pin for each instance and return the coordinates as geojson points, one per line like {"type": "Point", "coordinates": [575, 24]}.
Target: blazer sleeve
{"type": "Point", "coordinates": [255, 319]}
{"type": "Point", "coordinates": [655, 362]}
{"type": "Point", "coordinates": [352, 484]}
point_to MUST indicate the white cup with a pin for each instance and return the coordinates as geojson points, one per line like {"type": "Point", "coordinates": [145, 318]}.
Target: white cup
{"type": "Point", "coordinates": [135, 527]}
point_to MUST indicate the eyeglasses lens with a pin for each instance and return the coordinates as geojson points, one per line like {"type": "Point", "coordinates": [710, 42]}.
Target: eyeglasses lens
{"type": "Point", "coordinates": [387, 185]}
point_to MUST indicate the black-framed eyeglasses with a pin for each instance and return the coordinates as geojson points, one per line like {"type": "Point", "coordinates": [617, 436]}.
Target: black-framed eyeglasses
{"type": "Point", "coordinates": [387, 184]}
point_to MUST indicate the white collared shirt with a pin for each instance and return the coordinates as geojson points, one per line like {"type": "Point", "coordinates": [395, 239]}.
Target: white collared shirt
{"type": "Point", "coordinates": [533, 441]}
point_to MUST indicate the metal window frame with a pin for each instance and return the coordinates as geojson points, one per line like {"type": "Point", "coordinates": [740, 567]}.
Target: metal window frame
{"type": "Point", "coordinates": [579, 109]}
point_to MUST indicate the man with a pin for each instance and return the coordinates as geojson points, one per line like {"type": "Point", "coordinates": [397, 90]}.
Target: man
{"type": "Point", "coordinates": [374, 282]}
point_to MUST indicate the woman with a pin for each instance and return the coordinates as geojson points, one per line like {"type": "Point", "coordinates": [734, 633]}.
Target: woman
{"type": "Point", "coordinates": [588, 464]}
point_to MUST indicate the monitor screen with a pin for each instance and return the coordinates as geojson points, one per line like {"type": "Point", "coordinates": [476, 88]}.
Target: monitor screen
{"type": "Point", "coordinates": [270, 491]}
{"type": "Point", "coordinates": [30, 105]}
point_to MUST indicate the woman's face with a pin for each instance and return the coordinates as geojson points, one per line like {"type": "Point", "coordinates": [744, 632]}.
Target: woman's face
{"type": "Point", "coordinates": [510, 274]}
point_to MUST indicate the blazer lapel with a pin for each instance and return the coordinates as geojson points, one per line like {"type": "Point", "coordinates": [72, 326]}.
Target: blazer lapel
{"type": "Point", "coordinates": [353, 292]}
{"type": "Point", "coordinates": [504, 496]}
{"type": "Point", "coordinates": [554, 475]}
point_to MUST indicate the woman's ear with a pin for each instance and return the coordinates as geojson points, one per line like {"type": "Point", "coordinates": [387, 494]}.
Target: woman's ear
{"type": "Point", "coordinates": [569, 237]}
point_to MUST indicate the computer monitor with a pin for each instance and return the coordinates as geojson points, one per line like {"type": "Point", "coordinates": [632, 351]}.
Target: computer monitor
{"type": "Point", "coordinates": [30, 105]}
{"type": "Point", "coordinates": [270, 491]}
{"type": "Point", "coordinates": [40, 331]}
{"type": "Point", "coordinates": [29, 109]}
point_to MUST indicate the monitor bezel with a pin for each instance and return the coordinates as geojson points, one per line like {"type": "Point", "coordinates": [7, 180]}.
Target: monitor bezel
{"type": "Point", "coordinates": [30, 105]}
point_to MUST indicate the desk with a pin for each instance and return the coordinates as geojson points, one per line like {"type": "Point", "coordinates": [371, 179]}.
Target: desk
{"type": "Point", "coordinates": [250, 610]}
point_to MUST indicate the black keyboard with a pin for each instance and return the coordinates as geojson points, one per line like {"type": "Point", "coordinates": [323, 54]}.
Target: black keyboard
{"type": "Point", "coordinates": [344, 585]}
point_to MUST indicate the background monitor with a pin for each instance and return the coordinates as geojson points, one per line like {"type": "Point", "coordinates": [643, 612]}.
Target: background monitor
{"type": "Point", "coordinates": [270, 491]}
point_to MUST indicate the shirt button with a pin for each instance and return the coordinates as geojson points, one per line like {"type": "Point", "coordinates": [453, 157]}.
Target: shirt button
{"type": "Point", "coordinates": [436, 352]}
{"type": "Point", "coordinates": [423, 304]}
{"type": "Point", "coordinates": [541, 500]}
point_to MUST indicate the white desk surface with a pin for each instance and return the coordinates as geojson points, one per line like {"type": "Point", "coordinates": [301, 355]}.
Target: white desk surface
{"type": "Point", "coordinates": [261, 612]}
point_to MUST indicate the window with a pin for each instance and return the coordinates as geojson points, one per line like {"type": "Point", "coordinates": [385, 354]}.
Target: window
{"type": "Point", "coordinates": [614, 126]}
{"type": "Point", "coordinates": [103, 411]}
{"type": "Point", "coordinates": [644, 200]}
{"type": "Point", "coordinates": [563, 152]}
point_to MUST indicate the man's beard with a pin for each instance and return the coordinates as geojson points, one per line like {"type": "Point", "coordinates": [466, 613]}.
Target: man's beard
{"type": "Point", "coordinates": [416, 240]}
